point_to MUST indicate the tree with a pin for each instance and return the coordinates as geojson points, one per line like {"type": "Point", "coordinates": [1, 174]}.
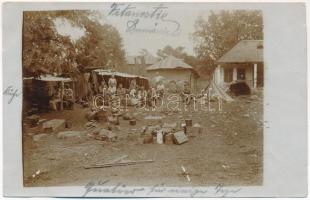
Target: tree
{"type": "Point", "coordinates": [43, 48]}
{"type": "Point", "coordinates": [46, 51]}
{"type": "Point", "coordinates": [177, 52]}
{"type": "Point", "coordinates": [223, 30]}
{"type": "Point", "coordinates": [101, 46]}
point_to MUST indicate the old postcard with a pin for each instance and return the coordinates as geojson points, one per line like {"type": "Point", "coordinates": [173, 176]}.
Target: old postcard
{"type": "Point", "coordinates": [154, 99]}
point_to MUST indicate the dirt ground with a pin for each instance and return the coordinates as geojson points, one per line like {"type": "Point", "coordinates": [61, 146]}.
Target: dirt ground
{"type": "Point", "coordinates": [229, 151]}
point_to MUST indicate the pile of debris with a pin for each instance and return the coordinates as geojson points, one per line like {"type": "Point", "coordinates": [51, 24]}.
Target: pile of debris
{"type": "Point", "coordinates": [40, 128]}
{"type": "Point", "coordinates": [94, 131]}
{"type": "Point", "coordinates": [98, 115]}
{"type": "Point", "coordinates": [132, 120]}
{"type": "Point", "coordinates": [54, 125]}
{"type": "Point", "coordinates": [175, 133]}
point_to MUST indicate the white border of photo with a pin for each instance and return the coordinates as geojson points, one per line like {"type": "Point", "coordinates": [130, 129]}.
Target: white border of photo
{"type": "Point", "coordinates": [285, 105]}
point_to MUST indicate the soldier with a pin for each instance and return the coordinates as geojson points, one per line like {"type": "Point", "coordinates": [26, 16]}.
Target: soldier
{"type": "Point", "coordinates": [112, 85]}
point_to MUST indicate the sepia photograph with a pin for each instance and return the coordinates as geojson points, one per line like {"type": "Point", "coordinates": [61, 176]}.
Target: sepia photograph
{"type": "Point", "coordinates": [154, 99]}
{"type": "Point", "coordinates": [139, 94]}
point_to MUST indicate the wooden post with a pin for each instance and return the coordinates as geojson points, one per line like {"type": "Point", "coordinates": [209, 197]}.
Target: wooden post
{"type": "Point", "coordinates": [190, 81]}
{"type": "Point", "coordinates": [218, 74]}
{"type": "Point", "coordinates": [222, 74]}
{"type": "Point", "coordinates": [73, 89]}
{"type": "Point", "coordinates": [62, 95]}
{"type": "Point", "coordinates": [255, 76]}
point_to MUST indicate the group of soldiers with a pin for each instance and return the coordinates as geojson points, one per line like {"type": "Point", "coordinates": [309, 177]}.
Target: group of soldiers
{"type": "Point", "coordinates": [112, 92]}
{"type": "Point", "coordinates": [135, 95]}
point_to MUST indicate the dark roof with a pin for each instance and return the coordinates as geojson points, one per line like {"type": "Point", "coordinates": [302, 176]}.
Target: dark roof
{"type": "Point", "coordinates": [244, 51]}
{"type": "Point", "coordinates": [170, 63]}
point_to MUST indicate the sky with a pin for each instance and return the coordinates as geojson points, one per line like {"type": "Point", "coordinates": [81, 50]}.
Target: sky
{"type": "Point", "coordinates": [169, 25]}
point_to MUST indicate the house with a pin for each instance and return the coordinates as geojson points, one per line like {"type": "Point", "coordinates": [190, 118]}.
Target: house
{"type": "Point", "coordinates": [174, 69]}
{"type": "Point", "coordinates": [137, 64]}
{"type": "Point", "coordinates": [243, 63]}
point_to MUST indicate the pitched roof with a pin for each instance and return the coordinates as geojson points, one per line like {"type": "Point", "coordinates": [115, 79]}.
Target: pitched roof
{"type": "Point", "coordinates": [150, 59]}
{"type": "Point", "coordinates": [244, 51]}
{"type": "Point", "coordinates": [170, 63]}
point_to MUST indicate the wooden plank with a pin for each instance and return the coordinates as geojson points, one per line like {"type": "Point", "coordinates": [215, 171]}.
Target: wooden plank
{"type": "Point", "coordinates": [118, 164]}
{"type": "Point", "coordinates": [119, 159]}
{"type": "Point", "coordinates": [116, 160]}
{"type": "Point", "coordinates": [180, 137]}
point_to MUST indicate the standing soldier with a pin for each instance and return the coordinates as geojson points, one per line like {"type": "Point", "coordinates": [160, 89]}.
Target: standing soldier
{"type": "Point", "coordinates": [112, 85]}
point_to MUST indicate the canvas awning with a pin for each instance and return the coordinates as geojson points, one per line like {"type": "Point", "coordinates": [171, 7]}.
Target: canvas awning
{"type": "Point", "coordinates": [123, 78]}
{"type": "Point", "coordinates": [50, 78]}
{"type": "Point", "coordinates": [110, 73]}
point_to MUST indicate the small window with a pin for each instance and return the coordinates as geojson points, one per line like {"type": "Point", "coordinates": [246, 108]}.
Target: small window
{"type": "Point", "coordinates": [240, 74]}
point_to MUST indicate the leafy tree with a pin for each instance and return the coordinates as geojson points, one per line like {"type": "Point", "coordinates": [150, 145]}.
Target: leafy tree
{"type": "Point", "coordinates": [101, 46]}
{"type": "Point", "coordinates": [223, 30]}
{"type": "Point", "coordinates": [46, 51]}
{"type": "Point", "coordinates": [170, 51]}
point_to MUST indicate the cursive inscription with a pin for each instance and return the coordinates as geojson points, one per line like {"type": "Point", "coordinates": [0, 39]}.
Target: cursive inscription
{"type": "Point", "coordinates": [224, 191]}
{"type": "Point", "coordinates": [158, 16]}
{"type": "Point", "coordinates": [105, 187]}
{"type": "Point", "coordinates": [12, 93]}
{"type": "Point", "coordinates": [119, 188]}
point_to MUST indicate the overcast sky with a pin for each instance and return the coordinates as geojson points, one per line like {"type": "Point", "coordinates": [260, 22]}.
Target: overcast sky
{"type": "Point", "coordinates": [180, 19]}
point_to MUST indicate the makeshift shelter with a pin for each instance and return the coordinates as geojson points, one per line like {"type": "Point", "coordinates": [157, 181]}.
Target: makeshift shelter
{"type": "Point", "coordinates": [174, 69]}
{"type": "Point", "coordinates": [123, 78]}
{"type": "Point", "coordinates": [243, 63]}
{"type": "Point", "coordinates": [40, 89]}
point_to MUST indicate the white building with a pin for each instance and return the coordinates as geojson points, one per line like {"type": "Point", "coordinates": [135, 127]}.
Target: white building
{"type": "Point", "coordinates": [243, 63]}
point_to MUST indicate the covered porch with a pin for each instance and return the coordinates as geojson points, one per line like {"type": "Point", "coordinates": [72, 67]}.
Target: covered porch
{"type": "Point", "coordinates": [250, 73]}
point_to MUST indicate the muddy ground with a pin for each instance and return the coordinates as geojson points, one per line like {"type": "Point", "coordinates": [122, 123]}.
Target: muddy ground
{"type": "Point", "coordinates": [229, 151]}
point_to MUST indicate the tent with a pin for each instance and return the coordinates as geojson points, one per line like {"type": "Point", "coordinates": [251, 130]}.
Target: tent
{"type": "Point", "coordinates": [217, 91]}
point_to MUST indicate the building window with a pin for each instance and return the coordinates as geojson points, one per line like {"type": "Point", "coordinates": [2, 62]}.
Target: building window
{"type": "Point", "coordinates": [228, 75]}
{"type": "Point", "coordinates": [240, 74]}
